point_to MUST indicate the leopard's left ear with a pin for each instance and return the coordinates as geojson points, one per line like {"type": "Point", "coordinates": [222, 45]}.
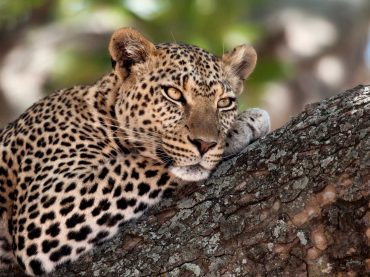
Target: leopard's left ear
{"type": "Point", "coordinates": [128, 47]}
{"type": "Point", "coordinates": [238, 64]}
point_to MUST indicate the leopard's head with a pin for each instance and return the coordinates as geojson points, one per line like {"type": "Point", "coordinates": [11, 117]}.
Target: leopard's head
{"type": "Point", "coordinates": [177, 102]}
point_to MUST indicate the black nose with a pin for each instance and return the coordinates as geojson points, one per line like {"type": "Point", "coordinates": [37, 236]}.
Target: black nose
{"type": "Point", "coordinates": [202, 146]}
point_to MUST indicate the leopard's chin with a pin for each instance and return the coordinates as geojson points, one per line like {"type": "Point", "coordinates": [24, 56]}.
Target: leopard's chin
{"type": "Point", "coordinates": [190, 173]}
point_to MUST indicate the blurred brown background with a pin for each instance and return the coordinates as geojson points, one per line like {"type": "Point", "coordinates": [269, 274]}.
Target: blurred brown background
{"type": "Point", "coordinates": [308, 49]}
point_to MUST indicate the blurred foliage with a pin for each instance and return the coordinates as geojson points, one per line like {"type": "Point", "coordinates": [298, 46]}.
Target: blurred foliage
{"type": "Point", "coordinates": [11, 12]}
{"type": "Point", "coordinates": [211, 24]}
{"type": "Point", "coordinates": [68, 71]}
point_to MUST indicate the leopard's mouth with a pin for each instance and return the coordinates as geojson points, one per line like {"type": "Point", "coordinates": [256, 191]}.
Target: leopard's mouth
{"type": "Point", "coordinates": [190, 173]}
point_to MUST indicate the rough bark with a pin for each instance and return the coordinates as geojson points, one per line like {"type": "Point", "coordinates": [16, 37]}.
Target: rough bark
{"type": "Point", "coordinates": [294, 203]}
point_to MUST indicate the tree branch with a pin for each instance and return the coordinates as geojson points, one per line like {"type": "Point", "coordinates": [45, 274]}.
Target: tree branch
{"type": "Point", "coordinates": [294, 203]}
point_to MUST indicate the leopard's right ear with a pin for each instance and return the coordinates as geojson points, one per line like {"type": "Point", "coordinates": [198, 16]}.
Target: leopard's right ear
{"type": "Point", "coordinates": [128, 47]}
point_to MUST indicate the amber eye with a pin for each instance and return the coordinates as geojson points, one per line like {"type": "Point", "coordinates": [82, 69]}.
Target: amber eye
{"type": "Point", "coordinates": [173, 94]}
{"type": "Point", "coordinates": [225, 102]}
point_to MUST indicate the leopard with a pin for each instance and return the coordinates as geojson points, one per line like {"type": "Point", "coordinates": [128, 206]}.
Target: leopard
{"type": "Point", "coordinates": [81, 162]}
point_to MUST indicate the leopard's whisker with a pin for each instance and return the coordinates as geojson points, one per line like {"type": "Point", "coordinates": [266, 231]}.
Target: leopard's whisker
{"type": "Point", "coordinates": [120, 129]}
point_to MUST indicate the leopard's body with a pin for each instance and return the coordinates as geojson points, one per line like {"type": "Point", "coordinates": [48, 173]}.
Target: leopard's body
{"type": "Point", "coordinates": [81, 162]}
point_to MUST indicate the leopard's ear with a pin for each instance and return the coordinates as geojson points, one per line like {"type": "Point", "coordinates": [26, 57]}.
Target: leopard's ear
{"type": "Point", "coordinates": [128, 47]}
{"type": "Point", "coordinates": [238, 64]}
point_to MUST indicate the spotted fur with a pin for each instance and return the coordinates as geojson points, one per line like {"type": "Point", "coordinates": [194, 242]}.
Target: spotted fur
{"type": "Point", "coordinates": [79, 163]}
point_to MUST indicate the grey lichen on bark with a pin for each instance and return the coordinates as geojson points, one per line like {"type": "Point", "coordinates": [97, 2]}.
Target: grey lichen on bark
{"type": "Point", "coordinates": [293, 203]}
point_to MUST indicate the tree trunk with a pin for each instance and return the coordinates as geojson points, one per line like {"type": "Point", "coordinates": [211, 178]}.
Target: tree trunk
{"type": "Point", "coordinates": [294, 203]}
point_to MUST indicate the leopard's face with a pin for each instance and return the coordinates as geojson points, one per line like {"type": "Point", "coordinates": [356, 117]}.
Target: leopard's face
{"type": "Point", "coordinates": [177, 104]}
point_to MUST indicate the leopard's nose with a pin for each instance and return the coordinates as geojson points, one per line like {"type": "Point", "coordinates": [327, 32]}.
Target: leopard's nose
{"type": "Point", "coordinates": [202, 146]}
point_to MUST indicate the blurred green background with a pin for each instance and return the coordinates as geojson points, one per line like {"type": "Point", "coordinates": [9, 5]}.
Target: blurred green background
{"type": "Point", "coordinates": [308, 49]}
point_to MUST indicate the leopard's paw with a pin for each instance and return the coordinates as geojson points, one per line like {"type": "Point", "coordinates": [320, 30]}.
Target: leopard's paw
{"type": "Point", "coordinates": [248, 126]}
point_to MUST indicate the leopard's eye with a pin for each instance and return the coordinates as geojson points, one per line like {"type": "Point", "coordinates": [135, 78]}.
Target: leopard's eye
{"type": "Point", "coordinates": [225, 103]}
{"type": "Point", "coordinates": [173, 94]}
